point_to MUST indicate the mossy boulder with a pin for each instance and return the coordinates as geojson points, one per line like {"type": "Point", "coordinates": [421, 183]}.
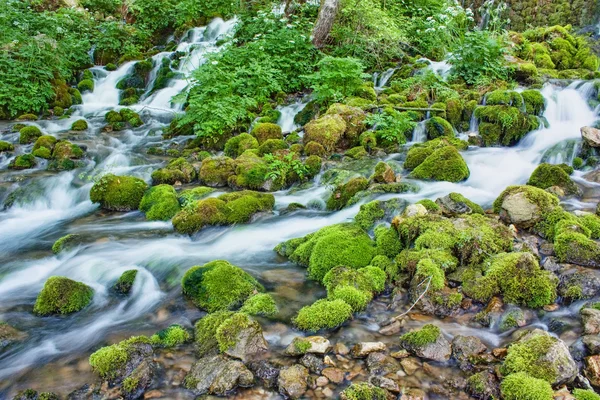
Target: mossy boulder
{"type": "Point", "coordinates": [123, 362]}
{"type": "Point", "coordinates": [29, 134]}
{"type": "Point", "coordinates": [265, 131]}
{"type": "Point", "coordinates": [343, 193]}
{"type": "Point", "coordinates": [323, 314]}
{"type": "Point", "coordinates": [6, 147]}
{"type": "Point", "coordinates": [383, 173]}
{"type": "Point", "coordinates": [27, 117]}
{"type": "Point", "coordinates": [177, 171]}
{"type": "Point", "coordinates": [437, 127]}
{"type": "Point", "coordinates": [577, 248]}
{"type": "Point", "coordinates": [327, 131]}
{"type": "Point", "coordinates": [261, 304]}
{"type": "Point", "coordinates": [218, 286]}
{"type": "Point", "coordinates": [521, 386]}
{"type": "Point", "coordinates": [250, 172]}
{"type": "Point", "coordinates": [445, 164]}
{"type": "Point", "coordinates": [125, 282]}
{"type": "Point", "coordinates": [215, 171]}
{"type": "Point", "coordinates": [524, 205]}
{"type": "Point", "coordinates": [64, 155]}
{"type": "Point", "coordinates": [237, 145]}
{"type": "Point", "coordinates": [190, 196]}
{"type": "Point", "coordinates": [227, 209]}
{"type": "Point", "coordinates": [341, 244]}
{"type": "Point", "coordinates": [428, 342]}
{"type": "Point", "coordinates": [160, 203]}
{"type": "Point", "coordinates": [272, 146]}
{"type": "Point", "coordinates": [504, 124]}
{"type": "Point", "coordinates": [314, 149]}
{"type": "Point", "coordinates": [62, 295]}
{"type": "Point", "coordinates": [86, 85]}
{"type": "Point", "coordinates": [118, 193]}
{"type": "Point", "coordinates": [518, 277]}
{"type": "Point", "coordinates": [23, 161]}
{"type": "Point", "coordinates": [548, 175]}
{"type": "Point", "coordinates": [172, 336]}
{"type": "Point", "coordinates": [355, 121]}
{"type": "Point", "coordinates": [535, 104]}
{"type": "Point", "coordinates": [455, 204]}
{"type": "Point", "coordinates": [79, 125]}
{"type": "Point", "coordinates": [66, 243]}
{"type": "Point", "coordinates": [355, 287]}
{"type": "Point", "coordinates": [541, 356]}
{"type": "Point", "coordinates": [48, 142]}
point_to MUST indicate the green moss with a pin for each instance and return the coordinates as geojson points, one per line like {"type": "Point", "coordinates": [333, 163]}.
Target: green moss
{"type": "Point", "coordinates": [535, 103]}
{"type": "Point", "coordinates": [160, 203]}
{"type": "Point", "coordinates": [445, 164]}
{"type": "Point", "coordinates": [27, 117]}
{"type": "Point", "coordinates": [357, 153]}
{"type": "Point", "coordinates": [206, 330]}
{"type": "Point", "coordinates": [511, 320]}
{"type": "Point", "coordinates": [314, 149]}
{"type": "Point", "coordinates": [430, 205]}
{"type": "Point", "coordinates": [265, 131]}
{"type": "Point", "coordinates": [577, 248]}
{"type": "Point", "coordinates": [301, 345]}
{"type": "Point", "coordinates": [215, 171]}
{"type": "Point", "coordinates": [107, 361]}
{"type": "Point", "coordinates": [512, 124]}
{"type": "Point", "coordinates": [551, 220]}
{"type": "Point", "coordinates": [583, 394]}
{"type": "Point", "coordinates": [228, 331]}
{"type": "Point", "coordinates": [368, 214]}
{"type": "Point", "coordinates": [218, 286]}
{"type": "Point", "coordinates": [357, 299]}
{"type": "Point", "coordinates": [408, 259]}
{"type": "Point", "coordinates": [45, 141]}
{"type": "Point", "coordinates": [437, 127]}
{"type": "Point", "coordinates": [251, 171]}
{"type": "Point", "coordinates": [61, 295]}
{"type": "Point", "coordinates": [260, 304]}
{"type": "Point", "coordinates": [86, 85]}
{"type": "Point", "coordinates": [113, 117]}
{"type": "Point", "coordinates": [421, 337]}
{"type": "Point", "coordinates": [125, 281]}
{"type": "Point", "coordinates": [341, 244]}
{"type": "Point", "coordinates": [578, 163]}
{"type": "Point", "coordinates": [42, 152]}
{"type": "Point", "coordinates": [190, 196]}
{"type": "Point", "coordinates": [178, 170]}
{"type": "Point", "coordinates": [363, 391]}
{"type": "Point", "coordinates": [459, 198]}
{"type": "Point", "coordinates": [271, 146]}
{"type": "Point", "coordinates": [591, 222]}
{"type": "Point", "coordinates": [528, 356]}
{"type": "Point", "coordinates": [504, 98]}
{"type": "Point", "coordinates": [118, 193]}
{"type": "Point", "coordinates": [520, 386]}
{"type": "Point", "coordinates": [5, 146]}
{"type": "Point", "coordinates": [29, 134]}
{"type": "Point", "coordinates": [66, 243]}
{"type": "Point", "coordinates": [172, 336]}
{"type": "Point", "coordinates": [519, 278]}
{"type": "Point", "coordinates": [64, 150]}
{"type": "Point", "coordinates": [428, 270]}
{"type": "Point", "coordinates": [327, 131]}
{"type": "Point", "coordinates": [323, 314]}
{"type": "Point", "coordinates": [343, 193]}
{"type": "Point", "coordinates": [237, 145]}
{"type": "Point", "coordinates": [544, 200]}
{"type": "Point", "coordinates": [23, 161]}
{"type": "Point", "coordinates": [79, 125]}
{"type": "Point", "coordinates": [547, 175]}
{"type": "Point", "coordinates": [313, 165]}
{"type": "Point", "coordinates": [387, 241]}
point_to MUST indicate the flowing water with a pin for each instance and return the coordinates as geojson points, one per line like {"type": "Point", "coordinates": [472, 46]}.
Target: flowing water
{"type": "Point", "coordinates": [53, 205]}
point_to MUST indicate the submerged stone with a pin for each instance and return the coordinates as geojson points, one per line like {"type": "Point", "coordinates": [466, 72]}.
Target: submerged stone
{"type": "Point", "coordinates": [217, 375]}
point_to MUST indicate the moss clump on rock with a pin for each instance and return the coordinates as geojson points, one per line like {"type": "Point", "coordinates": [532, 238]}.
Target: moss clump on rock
{"type": "Point", "coordinates": [426, 335]}
{"type": "Point", "coordinates": [437, 127]}
{"type": "Point", "coordinates": [215, 171]}
{"type": "Point", "coordinates": [520, 386]}
{"type": "Point", "coordinates": [46, 141]}
{"type": "Point", "coordinates": [86, 85]}
{"type": "Point", "coordinates": [23, 161]}
{"type": "Point", "coordinates": [172, 336]}
{"type": "Point", "coordinates": [125, 281]}
{"type": "Point", "coordinates": [355, 287]}
{"type": "Point", "coordinates": [190, 196]}
{"type": "Point", "coordinates": [79, 125]}
{"type": "Point", "coordinates": [583, 394]}
{"type": "Point", "coordinates": [160, 203]}
{"type": "Point", "coordinates": [272, 146]}
{"type": "Point", "coordinates": [64, 150]}
{"type": "Point", "coordinates": [363, 391]}
{"type": "Point", "coordinates": [237, 145]}
{"type": "Point", "coordinates": [327, 131]}
{"type": "Point", "coordinates": [66, 242]}
{"type": "Point", "coordinates": [177, 171]}
{"type": "Point", "coordinates": [535, 103]}
{"type": "Point", "coordinates": [6, 147]}
{"type": "Point", "coordinates": [118, 193]}
{"type": "Point", "coordinates": [218, 286]}
{"type": "Point", "coordinates": [547, 175]}
{"type": "Point", "coordinates": [341, 244]}
{"type": "Point", "coordinates": [445, 164]}
{"type": "Point", "coordinates": [109, 361]}
{"type": "Point", "coordinates": [524, 205]}
{"type": "Point", "coordinates": [577, 248]}
{"type": "Point", "coordinates": [29, 134]}
{"type": "Point", "coordinates": [266, 131]}
{"type": "Point", "coordinates": [62, 295]}
{"type": "Point", "coordinates": [323, 314]}
{"type": "Point", "coordinates": [260, 304]}
{"type": "Point", "coordinates": [227, 209]}
{"type": "Point", "coordinates": [343, 193]}
{"type": "Point", "coordinates": [503, 124]}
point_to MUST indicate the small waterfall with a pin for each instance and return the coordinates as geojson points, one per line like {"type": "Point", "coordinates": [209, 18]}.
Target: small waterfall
{"type": "Point", "coordinates": [441, 68]}
{"type": "Point", "coordinates": [157, 60]}
{"type": "Point", "coordinates": [419, 133]}
{"type": "Point", "coordinates": [380, 80]}
{"type": "Point", "coordinates": [286, 119]}
{"type": "Point", "coordinates": [105, 94]}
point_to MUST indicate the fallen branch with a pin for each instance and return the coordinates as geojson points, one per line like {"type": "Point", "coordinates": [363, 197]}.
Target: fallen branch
{"type": "Point", "coordinates": [398, 317]}
{"type": "Point", "coordinates": [373, 107]}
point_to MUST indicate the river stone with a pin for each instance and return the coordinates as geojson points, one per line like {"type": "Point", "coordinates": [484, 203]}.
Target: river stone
{"type": "Point", "coordinates": [10, 335]}
{"type": "Point", "coordinates": [335, 375]}
{"type": "Point", "coordinates": [410, 365]}
{"type": "Point", "coordinates": [439, 350]}
{"type": "Point", "coordinates": [313, 363]}
{"type": "Point", "coordinates": [551, 264]}
{"type": "Point", "coordinates": [293, 381]}
{"type": "Point", "coordinates": [248, 343]}
{"type": "Point", "coordinates": [414, 210]}
{"type": "Point", "coordinates": [590, 318]}
{"type": "Point", "coordinates": [592, 370]}
{"type": "Point", "coordinates": [517, 209]}
{"type": "Point", "coordinates": [451, 208]}
{"type": "Point", "coordinates": [383, 173]}
{"type": "Point", "coordinates": [593, 176]}
{"type": "Point", "coordinates": [363, 349]}
{"type": "Point", "coordinates": [265, 372]}
{"type": "Point", "coordinates": [142, 376]}
{"type": "Point", "coordinates": [464, 348]}
{"type": "Point", "coordinates": [218, 375]}
{"type": "Point", "coordinates": [588, 280]}
{"type": "Point", "coordinates": [382, 364]}
{"type": "Point", "coordinates": [592, 344]}
{"type": "Point", "coordinates": [413, 394]}
{"type": "Point", "coordinates": [591, 136]}
{"type": "Point", "coordinates": [384, 383]}
{"type": "Point", "coordinates": [309, 344]}
{"type": "Point", "coordinates": [483, 385]}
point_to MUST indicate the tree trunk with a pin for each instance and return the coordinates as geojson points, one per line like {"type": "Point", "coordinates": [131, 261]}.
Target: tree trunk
{"type": "Point", "coordinates": [325, 20]}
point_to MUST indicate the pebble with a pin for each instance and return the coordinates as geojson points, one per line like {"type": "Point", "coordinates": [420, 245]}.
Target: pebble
{"type": "Point", "coordinates": [322, 381]}
{"type": "Point", "coordinates": [335, 375]}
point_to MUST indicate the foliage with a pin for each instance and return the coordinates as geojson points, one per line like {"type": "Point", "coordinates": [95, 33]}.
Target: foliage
{"type": "Point", "coordinates": [478, 58]}
{"type": "Point", "coordinates": [336, 78]}
{"type": "Point", "coordinates": [280, 168]}
{"type": "Point", "coordinates": [391, 126]}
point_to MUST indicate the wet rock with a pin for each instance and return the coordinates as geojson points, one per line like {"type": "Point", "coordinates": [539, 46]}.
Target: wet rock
{"type": "Point", "coordinates": [309, 344]}
{"type": "Point", "coordinates": [382, 364]}
{"type": "Point", "coordinates": [592, 370]}
{"type": "Point", "coordinates": [464, 348]}
{"type": "Point", "coordinates": [383, 173]}
{"type": "Point", "coordinates": [512, 318]}
{"type": "Point", "coordinates": [265, 372]}
{"type": "Point", "coordinates": [341, 348]}
{"type": "Point", "coordinates": [217, 375]}
{"type": "Point", "coordinates": [335, 375]}
{"type": "Point", "coordinates": [391, 329]}
{"type": "Point", "coordinates": [455, 204]}
{"type": "Point", "coordinates": [523, 206]}
{"type": "Point", "coordinates": [586, 282]}
{"type": "Point", "coordinates": [322, 381]}
{"type": "Point", "coordinates": [139, 380]}
{"type": "Point", "coordinates": [363, 349]}
{"type": "Point", "coordinates": [590, 318]}
{"type": "Point", "coordinates": [427, 342]}
{"type": "Point", "coordinates": [547, 249]}
{"type": "Point", "coordinates": [400, 354]}
{"type": "Point", "coordinates": [483, 385]}
{"type": "Point", "coordinates": [592, 344]}
{"type": "Point", "coordinates": [313, 363]}
{"type": "Point", "coordinates": [414, 209]}
{"type": "Point", "coordinates": [30, 394]}
{"type": "Point", "coordinates": [85, 392]}
{"type": "Point", "coordinates": [551, 264]}
{"type": "Point", "coordinates": [10, 335]}
{"type": "Point", "coordinates": [413, 394]}
{"type": "Point", "coordinates": [591, 136]}
{"type": "Point", "coordinates": [385, 383]}
{"type": "Point", "coordinates": [410, 365]}
{"type": "Point", "coordinates": [293, 381]}
{"type": "Point", "coordinates": [248, 342]}
{"type": "Point", "coordinates": [593, 176]}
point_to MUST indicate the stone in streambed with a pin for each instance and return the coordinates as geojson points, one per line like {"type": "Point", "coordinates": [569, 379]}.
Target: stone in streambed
{"type": "Point", "coordinates": [464, 348]}
{"type": "Point", "coordinates": [427, 342]}
{"type": "Point", "coordinates": [118, 193]}
{"type": "Point", "coordinates": [591, 136]}
{"type": "Point", "coordinates": [10, 335]}
{"type": "Point", "coordinates": [363, 349]}
{"type": "Point", "coordinates": [309, 344]}
{"type": "Point", "coordinates": [590, 319]}
{"type": "Point", "coordinates": [293, 381]}
{"type": "Point", "coordinates": [62, 295]}
{"type": "Point", "coordinates": [217, 375]}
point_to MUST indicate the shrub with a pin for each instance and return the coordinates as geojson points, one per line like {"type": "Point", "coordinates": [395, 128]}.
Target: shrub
{"type": "Point", "coordinates": [478, 58]}
{"type": "Point", "coordinates": [336, 79]}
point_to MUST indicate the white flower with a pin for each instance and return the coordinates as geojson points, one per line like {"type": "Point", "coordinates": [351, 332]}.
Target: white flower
{"type": "Point", "coordinates": [214, 62]}
{"type": "Point", "coordinates": [291, 41]}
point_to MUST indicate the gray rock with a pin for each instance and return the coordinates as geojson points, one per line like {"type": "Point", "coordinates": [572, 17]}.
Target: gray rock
{"type": "Point", "coordinates": [519, 210]}
{"type": "Point", "coordinates": [218, 375]}
{"type": "Point", "coordinates": [265, 372]}
{"type": "Point", "coordinates": [363, 349]}
{"type": "Point", "coordinates": [382, 364]}
{"type": "Point", "coordinates": [385, 383]}
{"type": "Point", "coordinates": [483, 385]}
{"type": "Point", "coordinates": [464, 348]}
{"type": "Point", "coordinates": [314, 363]}
{"type": "Point", "coordinates": [293, 381]}
{"type": "Point", "coordinates": [10, 335]}
{"type": "Point", "coordinates": [592, 344]}
{"type": "Point", "coordinates": [309, 344]}
{"type": "Point", "coordinates": [591, 136]}
{"type": "Point", "coordinates": [551, 264]}
{"type": "Point", "coordinates": [248, 343]}
{"type": "Point", "coordinates": [586, 279]}
{"type": "Point", "coordinates": [439, 350]}
{"type": "Point", "coordinates": [590, 319]}
{"type": "Point", "coordinates": [452, 208]}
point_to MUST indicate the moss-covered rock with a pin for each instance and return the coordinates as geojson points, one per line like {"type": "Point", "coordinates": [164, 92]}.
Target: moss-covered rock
{"type": "Point", "coordinates": [445, 164]}
{"type": "Point", "coordinates": [313, 165]}
{"type": "Point", "coordinates": [27, 117]}
{"type": "Point", "coordinates": [518, 277]}
{"type": "Point", "coordinates": [535, 104]}
{"type": "Point", "coordinates": [177, 171]}
{"type": "Point", "coordinates": [250, 172]}
{"type": "Point", "coordinates": [62, 295]}
{"type": "Point", "coordinates": [547, 175]}
{"type": "Point", "coordinates": [314, 149]}
{"type": "Point", "coordinates": [227, 209]}
{"type": "Point", "coordinates": [355, 287]}
{"type": "Point", "coordinates": [261, 304]}
{"type": "Point", "coordinates": [327, 131]}
{"type": "Point", "coordinates": [363, 391]}
{"type": "Point", "coordinates": [272, 146]}
{"type": "Point", "coordinates": [520, 386]}
{"type": "Point", "coordinates": [190, 196]}
{"type": "Point", "coordinates": [160, 203]}
{"type": "Point", "coordinates": [63, 156]}
{"type": "Point", "coordinates": [342, 244]}
{"type": "Point", "coordinates": [172, 336]}
{"type": "Point", "coordinates": [237, 145]}
{"type": "Point", "coordinates": [79, 125]}
{"type": "Point", "coordinates": [29, 134]}
{"type": "Point", "coordinates": [357, 153]}
{"type": "Point", "coordinates": [437, 126]}
{"type": "Point", "coordinates": [46, 141]}
{"type": "Point", "coordinates": [23, 161]}
{"type": "Point", "coordinates": [427, 342]}
{"type": "Point", "coordinates": [383, 173]}
{"type": "Point", "coordinates": [66, 243]}
{"type": "Point", "coordinates": [265, 131]}
{"type": "Point", "coordinates": [120, 360]}
{"type": "Point", "coordinates": [218, 286]}
{"type": "Point", "coordinates": [215, 171]}
{"type": "Point", "coordinates": [354, 118]}
{"type": "Point", "coordinates": [455, 204]}
{"type": "Point", "coordinates": [125, 281]}
{"type": "Point", "coordinates": [118, 193]}
{"type": "Point", "coordinates": [86, 85]}
{"type": "Point", "coordinates": [323, 314]}
{"type": "Point", "coordinates": [524, 206]}
{"type": "Point", "coordinates": [6, 147]}
{"type": "Point", "coordinates": [577, 248]}
{"type": "Point", "coordinates": [504, 124]}
{"type": "Point", "coordinates": [343, 193]}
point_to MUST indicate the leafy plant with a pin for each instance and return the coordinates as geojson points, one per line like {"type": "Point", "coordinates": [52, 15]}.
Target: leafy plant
{"type": "Point", "coordinates": [391, 126]}
{"type": "Point", "coordinates": [337, 78]}
{"type": "Point", "coordinates": [281, 169]}
{"type": "Point", "coordinates": [479, 58]}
